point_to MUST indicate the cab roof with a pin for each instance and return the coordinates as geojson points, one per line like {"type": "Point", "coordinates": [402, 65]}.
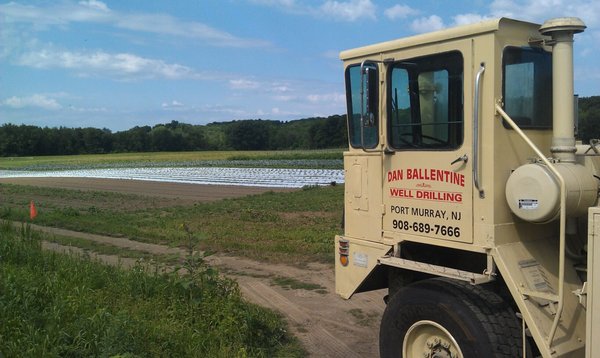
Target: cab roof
{"type": "Point", "coordinates": [445, 35]}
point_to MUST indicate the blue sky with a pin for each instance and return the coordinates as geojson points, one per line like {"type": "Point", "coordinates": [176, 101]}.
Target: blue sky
{"type": "Point", "coordinates": [118, 64]}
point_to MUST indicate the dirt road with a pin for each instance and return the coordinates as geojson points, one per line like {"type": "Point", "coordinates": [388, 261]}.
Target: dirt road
{"type": "Point", "coordinates": [326, 325]}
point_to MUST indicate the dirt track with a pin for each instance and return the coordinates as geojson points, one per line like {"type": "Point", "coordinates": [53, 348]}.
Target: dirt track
{"type": "Point", "coordinates": [326, 325]}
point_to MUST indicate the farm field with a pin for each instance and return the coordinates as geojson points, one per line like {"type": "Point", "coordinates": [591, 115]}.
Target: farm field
{"type": "Point", "coordinates": [276, 242]}
{"type": "Point", "coordinates": [285, 169]}
{"type": "Point", "coordinates": [261, 177]}
{"type": "Point", "coordinates": [170, 193]}
{"type": "Point", "coordinates": [272, 226]}
{"type": "Point", "coordinates": [330, 158]}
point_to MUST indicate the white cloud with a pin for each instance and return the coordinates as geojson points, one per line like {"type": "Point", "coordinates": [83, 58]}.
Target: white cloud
{"type": "Point", "coordinates": [337, 10]}
{"type": "Point", "coordinates": [541, 10]}
{"type": "Point", "coordinates": [120, 66]}
{"type": "Point", "coordinates": [93, 11]}
{"type": "Point", "coordinates": [61, 14]}
{"type": "Point", "coordinates": [276, 111]}
{"type": "Point", "coordinates": [279, 87]}
{"type": "Point", "coordinates": [589, 12]}
{"type": "Point", "coordinates": [169, 25]}
{"type": "Point", "coordinates": [284, 98]}
{"type": "Point", "coordinates": [243, 84]}
{"type": "Point", "coordinates": [35, 101]}
{"type": "Point", "coordinates": [538, 11]}
{"type": "Point", "coordinates": [172, 105]}
{"type": "Point", "coordinates": [88, 109]}
{"type": "Point", "coordinates": [349, 10]}
{"type": "Point", "coordinates": [465, 19]}
{"type": "Point", "coordinates": [427, 24]}
{"type": "Point", "coordinates": [327, 98]}
{"type": "Point", "coordinates": [400, 12]}
{"type": "Point", "coordinates": [222, 109]}
{"type": "Point", "coordinates": [94, 4]}
{"type": "Point", "coordinates": [13, 12]}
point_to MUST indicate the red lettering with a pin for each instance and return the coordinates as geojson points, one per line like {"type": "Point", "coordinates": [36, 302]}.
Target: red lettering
{"type": "Point", "coordinates": [427, 174]}
{"type": "Point", "coordinates": [437, 196]}
{"type": "Point", "coordinates": [401, 193]}
{"type": "Point", "coordinates": [395, 175]}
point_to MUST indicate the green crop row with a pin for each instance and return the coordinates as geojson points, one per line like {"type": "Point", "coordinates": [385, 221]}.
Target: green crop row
{"type": "Point", "coordinates": [198, 158]}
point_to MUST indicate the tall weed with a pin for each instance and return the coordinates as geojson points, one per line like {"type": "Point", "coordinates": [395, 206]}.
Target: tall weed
{"type": "Point", "coordinates": [56, 305]}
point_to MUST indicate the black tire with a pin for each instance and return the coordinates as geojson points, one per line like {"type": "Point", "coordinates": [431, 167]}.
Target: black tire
{"type": "Point", "coordinates": [472, 320]}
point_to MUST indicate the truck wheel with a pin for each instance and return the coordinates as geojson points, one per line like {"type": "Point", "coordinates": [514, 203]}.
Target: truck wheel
{"type": "Point", "coordinates": [442, 318]}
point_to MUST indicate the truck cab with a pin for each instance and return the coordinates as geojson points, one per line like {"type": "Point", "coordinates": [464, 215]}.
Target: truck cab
{"type": "Point", "coordinates": [464, 187]}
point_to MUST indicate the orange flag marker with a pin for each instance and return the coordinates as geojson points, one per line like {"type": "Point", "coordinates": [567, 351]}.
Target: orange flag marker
{"type": "Point", "coordinates": [32, 210]}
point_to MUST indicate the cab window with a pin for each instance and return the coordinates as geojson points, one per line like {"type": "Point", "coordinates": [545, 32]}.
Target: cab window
{"type": "Point", "coordinates": [527, 86]}
{"type": "Point", "coordinates": [425, 107]}
{"type": "Point", "coordinates": [362, 99]}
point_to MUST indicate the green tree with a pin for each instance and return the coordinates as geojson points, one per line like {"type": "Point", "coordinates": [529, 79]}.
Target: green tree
{"type": "Point", "coordinates": [248, 135]}
{"type": "Point", "coordinates": [589, 118]}
{"type": "Point", "coordinates": [254, 134]}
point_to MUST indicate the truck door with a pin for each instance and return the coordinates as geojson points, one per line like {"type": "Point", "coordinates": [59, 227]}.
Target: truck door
{"type": "Point", "coordinates": [362, 162]}
{"type": "Point", "coordinates": [427, 179]}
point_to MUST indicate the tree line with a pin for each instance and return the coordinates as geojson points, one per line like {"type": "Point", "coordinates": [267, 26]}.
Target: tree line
{"type": "Point", "coordinates": [255, 134]}
{"type": "Point", "coordinates": [252, 134]}
{"type": "Point", "coordinates": [589, 118]}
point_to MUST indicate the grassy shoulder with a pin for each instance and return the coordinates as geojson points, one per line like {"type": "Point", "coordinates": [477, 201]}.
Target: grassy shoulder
{"type": "Point", "coordinates": [56, 305]}
{"type": "Point", "coordinates": [292, 227]}
{"type": "Point", "coordinates": [161, 158]}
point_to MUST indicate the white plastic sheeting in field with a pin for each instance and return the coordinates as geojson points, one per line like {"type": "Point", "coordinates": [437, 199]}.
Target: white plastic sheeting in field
{"type": "Point", "coordinates": [266, 177]}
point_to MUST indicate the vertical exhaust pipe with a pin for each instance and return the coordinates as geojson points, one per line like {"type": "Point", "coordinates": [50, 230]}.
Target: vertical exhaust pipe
{"type": "Point", "coordinates": [563, 139]}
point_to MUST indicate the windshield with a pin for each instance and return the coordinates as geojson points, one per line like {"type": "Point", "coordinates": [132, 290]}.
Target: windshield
{"type": "Point", "coordinates": [425, 106]}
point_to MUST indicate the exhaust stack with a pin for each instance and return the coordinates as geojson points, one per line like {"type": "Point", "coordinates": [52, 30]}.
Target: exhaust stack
{"type": "Point", "coordinates": [563, 139]}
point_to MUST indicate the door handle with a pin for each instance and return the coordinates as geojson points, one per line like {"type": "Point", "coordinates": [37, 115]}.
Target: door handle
{"type": "Point", "coordinates": [463, 158]}
{"type": "Point", "coordinates": [476, 153]}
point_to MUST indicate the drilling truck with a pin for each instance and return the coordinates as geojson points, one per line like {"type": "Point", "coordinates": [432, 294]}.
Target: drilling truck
{"type": "Point", "coordinates": [468, 196]}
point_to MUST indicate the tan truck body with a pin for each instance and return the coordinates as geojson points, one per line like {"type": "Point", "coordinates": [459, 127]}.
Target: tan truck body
{"type": "Point", "coordinates": [408, 191]}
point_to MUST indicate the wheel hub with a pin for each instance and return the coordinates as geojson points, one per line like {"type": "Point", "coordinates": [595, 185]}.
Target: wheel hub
{"type": "Point", "coordinates": [430, 340]}
{"type": "Point", "coordinates": [439, 347]}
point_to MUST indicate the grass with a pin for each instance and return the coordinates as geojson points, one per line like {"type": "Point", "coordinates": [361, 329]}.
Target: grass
{"type": "Point", "coordinates": [159, 158]}
{"type": "Point", "coordinates": [362, 318]}
{"type": "Point", "coordinates": [291, 227]}
{"type": "Point", "coordinates": [290, 283]}
{"type": "Point", "coordinates": [55, 305]}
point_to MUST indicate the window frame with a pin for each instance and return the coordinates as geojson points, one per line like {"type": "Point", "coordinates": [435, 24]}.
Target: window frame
{"type": "Point", "coordinates": [454, 65]}
{"type": "Point", "coordinates": [543, 97]}
{"type": "Point", "coordinates": [356, 141]}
